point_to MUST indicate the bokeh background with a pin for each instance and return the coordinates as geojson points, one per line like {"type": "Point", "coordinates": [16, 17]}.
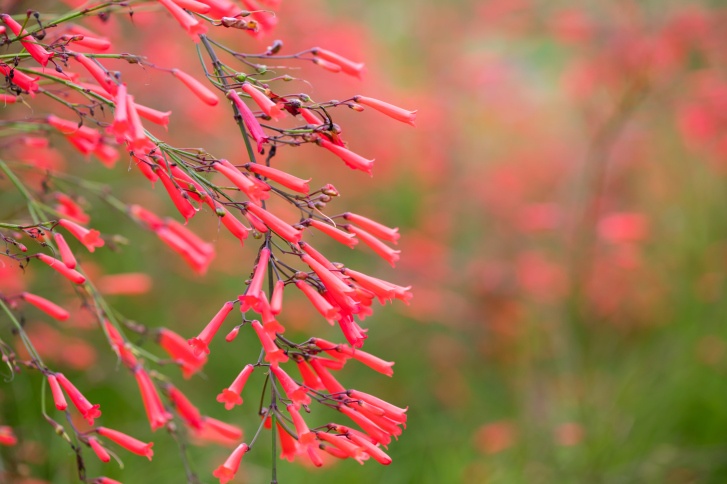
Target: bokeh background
{"type": "Point", "coordinates": [562, 205]}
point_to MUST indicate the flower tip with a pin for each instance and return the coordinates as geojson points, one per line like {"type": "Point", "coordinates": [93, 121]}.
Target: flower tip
{"type": "Point", "coordinates": [199, 347]}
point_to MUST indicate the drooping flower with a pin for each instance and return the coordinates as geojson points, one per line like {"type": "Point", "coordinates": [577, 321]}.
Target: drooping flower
{"type": "Point", "coordinates": [200, 344]}
{"type": "Point", "coordinates": [186, 409]}
{"type": "Point", "coordinates": [279, 176]}
{"type": "Point", "coordinates": [127, 442]}
{"type": "Point", "coordinates": [296, 393]}
{"type": "Point", "coordinates": [84, 407]}
{"type": "Point", "coordinates": [48, 307]}
{"type": "Point", "coordinates": [267, 106]}
{"type": "Point", "coordinates": [70, 274]}
{"type": "Point", "coordinates": [390, 110]}
{"type": "Point", "coordinates": [273, 354]}
{"type": "Point", "coordinates": [231, 396]}
{"type": "Point", "coordinates": [352, 160]}
{"type": "Point", "coordinates": [155, 411]}
{"type": "Point", "coordinates": [226, 472]}
{"type": "Point", "coordinates": [91, 239]}
{"type": "Point", "coordinates": [36, 51]}
{"type": "Point", "coordinates": [348, 66]}
{"type": "Point", "coordinates": [58, 398]}
{"type": "Point", "coordinates": [99, 450]}
{"type": "Point", "coordinates": [249, 119]}
{"type": "Point", "coordinates": [190, 23]}
{"type": "Point", "coordinates": [197, 88]}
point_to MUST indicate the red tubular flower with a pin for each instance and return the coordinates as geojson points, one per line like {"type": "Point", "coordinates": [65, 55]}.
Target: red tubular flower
{"type": "Point", "coordinates": [119, 345]}
{"type": "Point", "coordinates": [265, 103]}
{"type": "Point", "coordinates": [296, 393]}
{"type": "Point", "coordinates": [373, 431]}
{"type": "Point", "coordinates": [244, 183]}
{"type": "Point", "coordinates": [85, 408]}
{"type": "Point", "coordinates": [382, 289]}
{"type": "Point", "coordinates": [190, 238]}
{"type": "Point", "coordinates": [390, 110]}
{"type": "Point", "coordinates": [231, 396]}
{"type": "Point", "coordinates": [236, 228]}
{"type": "Point", "coordinates": [58, 399]}
{"type": "Point", "coordinates": [273, 354]}
{"type": "Point", "coordinates": [310, 118]}
{"type": "Point", "coordinates": [181, 202]}
{"type": "Point", "coordinates": [179, 350]}
{"type": "Point", "coordinates": [249, 119]}
{"type": "Point", "coordinates": [226, 472]}
{"type": "Point", "coordinates": [92, 43]}
{"type": "Point", "coordinates": [193, 6]}
{"type": "Point", "coordinates": [374, 228]}
{"type": "Point", "coordinates": [305, 436]}
{"type": "Point", "coordinates": [192, 188]}
{"type": "Point", "coordinates": [232, 334]}
{"type": "Point", "coordinates": [308, 249]}
{"type": "Point", "coordinates": [384, 251]}
{"type": "Point", "coordinates": [186, 409]}
{"type": "Point", "coordinates": [66, 254]}
{"type": "Point", "coordinates": [72, 210]}
{"type": "Point", "coordinates": [105, 480]}
{"type": "Point", "coordinates": [8, 99]}
{"type": "Point", "coordinates": [107, 154]}
{"type": "Point", "coordinates": [390, 411]}
{"type": "Point", "coordinates": [222, 429]}
{"type": "Point", "coordinates": [349, 448]}
{"type": "Point", "coordinates": [276, 300]}
{"type": "Point", "coordinates": [88, 237]}
{"type": "Point", "coordinates": [329, 280]}
{"type": "Point", "coordinates": [286, 179]}
{"type": "Point", "coordinates": [346, 65]}
{"type": "Point", "coordinates": [367, 359]}
{"type": "Point", "coordinates": [329, 66]}
{"type": "Point", "coordinates": [349, 240]}
{"type": "Point", "coordinates": [22, 80]}
{"type": "Point", "coordinates": [70, 274]}
{"type": "Point", "coordinates": [310, 379]}
{"type": "Point", "coordinates": [200, 344]}
{"type": "Point", "coordinates": [7, 436]}
{"type": "Point", "coordinates": [72, 128]}
{"type": "Point", "coordinates": [253, 295]}
{"type": "Point", "coordinates": [149, 219]}
{"type": "Point", "coordinates": [198, 89]}
{"type": "Point", "coordinates": [48, 307]}
{"type": "Point", "coordinates": [127, 442]}
{"type": "Point", "coordinates": [288, 445]}
{"type": "Point", "coordinates": [36, 51]}
{"type": "Point", "coordinates": [319, 302]}
{"type": "Point", "coordinates": [102, 76]}
{"type": "Point", "coordinates": [98, 449]}
{"type": "Point", "coordinates": [331, 384]}
{"type": "Point", "coordinates": [376, 416]}
{"type": "Point", "coordinates": [198, 261]}
{"type": "Point", "coordinates": [353, 160]}
{"type": "Point", "coordinates": [155, 411]}
{"type": "Point", "coordinates": [157, 117]}
{"type": "Point", "coordinates": [121, 125]}
{"type": "Point", "coordinates": [377, 454]}
{"type": "Point", "coordinates": [283, 229]}
{"type": "Point", "coordinates": [193, 26]}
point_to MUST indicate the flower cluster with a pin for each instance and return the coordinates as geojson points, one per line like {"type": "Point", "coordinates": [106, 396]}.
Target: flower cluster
{"type": "Point", "coordinates": [94, 110]}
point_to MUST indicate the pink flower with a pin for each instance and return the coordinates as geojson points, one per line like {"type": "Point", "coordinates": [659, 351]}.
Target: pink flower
{"type": "Point", "coordinates": [197, 88]}
{"type": "Point", "coordinates": [226, 472]}
{"type": "Point", "coordinates": [273, 354]}
{"type": "Point", "coordinates": [375, 228]}
{"type": "Point", "coordinates": [193, 26]}
{"type": "Point", "coordinates": [249, 119]}
{"type": "Point", "coordinates": [231, 396]}
{"type": "Point", "coordinates": [58, 399]}
{"type": "Point", "coordinates": [85, 408]}
{"type": "Point", "coordinates": [36, 51]}
{"type": "Point", "coordinates": [384, 251]}
{"type": "Point", "coordinates": [346, 65]}
{"type": "Point", "coordinates": [265, 103]}
{"type": "Point", "coordinates": [70, 274]}
{"type": "Point", "coordinates": [127, 442]}
{"type": "Point", "coordinates": [99, 450]}
{"type": "Point", "coordinates": [390, 110]}
{"type": "Point", "coordinates": [155, 411]}
{"type": "Point", "coordinates": [253, 295]}
{"type": "Point", "coordinates": [200, 344]}
{"type": "Point", "coordinates": [349, 240]}
{"type": "Point", "coordinates": [352, 160]}
{"type": "Point", "coordinates": [51, 309]}
{"type": "Point", "coordinates": [279, 176]}
{"type": "Point", "coordinates": [296, 393]}
{"type": "Point", "coordinates": [186, 409]}
{"type": "Point", "coordinates": [88, 237]}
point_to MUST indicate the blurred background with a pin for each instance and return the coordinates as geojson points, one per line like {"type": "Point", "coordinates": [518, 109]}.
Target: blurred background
{"type": "Point", "coordinates": [562, 207]}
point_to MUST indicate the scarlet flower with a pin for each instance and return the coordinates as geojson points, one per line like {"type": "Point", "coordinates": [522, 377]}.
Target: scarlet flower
{"type": "Point", "coordinates": [200, 344]}
{"type": "Point", "coordinates": [384, 251]}
{"type": "Point", "coordinates": [71, 128]}
{"type": "Point", "coordinates": [310, 118]}
{"type": "Point", "coordinates": [36, 51]}
{"type": "Point", "coordinates": [157, 117]}
{"type": "Point", "coordinates": [378, 455]}
{"type": "Point", "coordinates": [58, 399]}
{"type": "Point", "coordinates": [66, 254]}
{"type": "Point", "coordinates": [193, 26]}
{"type": "Point", "coordinates": [99, 73]}
{"type": "Point", "coordinates": [119, 345]}
{"type": "Point", "coordinates": [279, 176]}
{"type": "Point", "coordinates": [388, 408]}
{"type": "Point", "coordinates": [253, 191]}
{"type": "Point", "coordinates": [319, 302]}
{"type": "Point", "coordinates": [352, 160]}
{"type": "Point", "coordinates": [98, 449]}
{"type": "Point", "coordinates": [127, 442]}
{"type": "Point", "coordinates": [70, 209]}
{"type": "Point", "coordinates": [328, 279]}
{"type": "Point", "coordinates": [98, 44]}
{"type": "Point", "coordinates": [8, 99]}
{"type": "Point", "coordinates": [222, 429]}
{"type": "Point", "coordinates": [70, 274]}
{"type": "Point", "coordinates": [253, 295]}
{"type": "Point", "coordinates": [121, 124]}
{"type": "Point", "coordinates": [349, 448]}
{"type": "Point", "coordinates": [7, 436]}
{"type": "Point", "coordinates": [197, 88]}
{"type": "Point", "coordinates": [329, 66]}
{"type": "Point", "coordinates": [193, 6]}
{"type": "Point", "coordinates": [288, 445]}
{"type": "Point", "coordinates": [190, 238]}
{"type": "Point", "coordinates": [296, 393]}
{"type": "Point", "coordinates": [231, 396]}
{"type": "Point", "coordinates": [155, 411]}
{"type": "Point", "coordinates": [249, 119]}
{"type": "Point", "coordinates": [367, 359]}
{"type": "Point", "coordinates": [85, 408]}
{"type": "Point", "coordinates": [349, 240]}
{"type": "Point", "coordinates": [390, 110]}
{"type": "Point", "coordinates": [346, 65]}
{"type": "Point", "coordinates": [265, 103]}
{"type": "Point", "coordinates": [48, 307]}
{"type": "Point", "coordinates": [232, 334]}
{"type": "Point", "coordinates": [88, 237]}
{"type": "Point", "coordinates": [180, 351]}
{"type": "Point", "coordinates": [198, 261]}
{"type": "Point", "coordinates": [273, 354]}
{"type": "Point", "coordinates": [149, 219]}
{"type": "Point", "coordinates": [276, 300]}
{"type": "Point", "coordinates": [305, 436]}
{"type": "Point", "coordinates": [310, 379]}
{"type": "Point", "coordinates": [227, 471]}
{"type": "Point", "coordinates": [367, 425]}
{"type": "Point", "coordinates": [179, 198]}
{"type": "Point", "coordinates": [283, 229]}
{"type": "Point", "coordinates": [22, 80]}
{"type": "Point", "coordinates": [331, 384]}
{"type": "Point", "coordinates": [375, 228]}
{"type": "Point", "coordinates": [186, 409]}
